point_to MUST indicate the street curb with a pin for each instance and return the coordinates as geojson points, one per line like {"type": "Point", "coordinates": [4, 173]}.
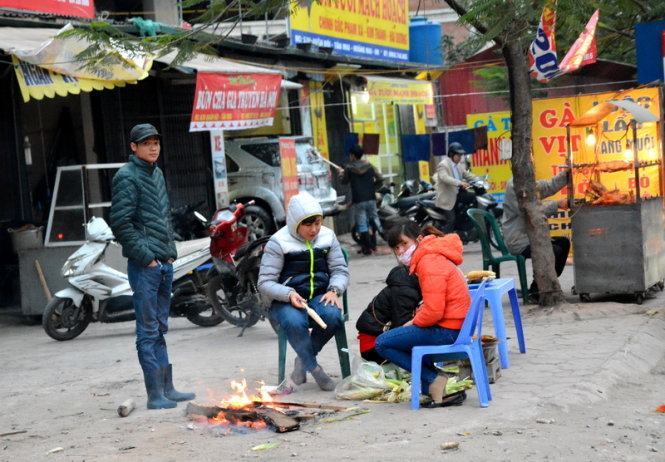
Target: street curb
{"type": "Point", "coordinates": [641, 352]}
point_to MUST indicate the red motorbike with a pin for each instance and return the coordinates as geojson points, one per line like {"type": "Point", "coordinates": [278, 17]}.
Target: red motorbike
{"type": "Point", "coordinates": [232, 284]}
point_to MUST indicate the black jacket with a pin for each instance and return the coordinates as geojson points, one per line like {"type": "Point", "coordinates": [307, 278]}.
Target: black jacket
{"type": "Point", "coordinates": [362, 177]}
{"type": "Point", "coordinates": [140, 213]}
{"type": "Point", "coordinates": [394, 305]}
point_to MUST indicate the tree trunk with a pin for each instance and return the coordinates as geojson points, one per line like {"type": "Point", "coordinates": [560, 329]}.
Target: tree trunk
{"type": "Point", "coordinates": [524, 179]}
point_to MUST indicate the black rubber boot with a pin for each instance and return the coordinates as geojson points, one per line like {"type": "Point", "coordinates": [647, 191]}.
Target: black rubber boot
{"type": "Point", "coordinates": [365, 246]}
{"type": "Point", "coordinates": [170, 392]}
{"type": "Point", "coordinates": [155, 388]}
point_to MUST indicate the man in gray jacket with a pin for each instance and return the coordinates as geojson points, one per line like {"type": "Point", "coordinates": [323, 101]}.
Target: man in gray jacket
{"type": "Point", "coordinates": [303, 265]}
{"type": "Point", "coordinates": [514, 224]}
{"type": "Point", "coordinates": [452, 179]}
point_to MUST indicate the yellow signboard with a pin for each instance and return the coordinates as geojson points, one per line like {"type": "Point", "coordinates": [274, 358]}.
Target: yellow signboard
{"type": "Point", "coordinates": [375, 29]}
{"type": "Point", "coordinates": [318, 117]}
{"type": "Point", "coordinates": [488, 161]}
{"type": "Point", "coordinates": [399, 91]}
{"type": "Point", "coordinates": [610, 140]}
{"type": "Point", "coordinates": [36, 82]}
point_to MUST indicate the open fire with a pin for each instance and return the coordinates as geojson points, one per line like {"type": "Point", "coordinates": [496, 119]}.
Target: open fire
{"type": "Point", "coordinates": [241, 411]}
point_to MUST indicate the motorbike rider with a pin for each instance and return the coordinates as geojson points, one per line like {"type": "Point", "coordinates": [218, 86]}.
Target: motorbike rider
{"type": "Point", "coordinates": [303, 265]}
{"type": "Point", "coordinates": [140, 221]}
{"type": "Point", "coordinates": [452, 180]}
{"type": "Point", "coordinates": [363, 177]}
{"type": "Point", "coordinates": [514, 224]}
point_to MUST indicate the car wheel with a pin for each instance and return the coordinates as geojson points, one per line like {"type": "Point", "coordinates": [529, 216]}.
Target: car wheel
{"type": "Point", "coordinates": [259, 222]}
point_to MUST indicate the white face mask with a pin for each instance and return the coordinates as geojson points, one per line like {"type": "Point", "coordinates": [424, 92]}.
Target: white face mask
{"type": "Point", "coordinates": [405, 258]}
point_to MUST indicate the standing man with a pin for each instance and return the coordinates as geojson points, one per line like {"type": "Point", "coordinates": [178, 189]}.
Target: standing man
{"type": "Point", "coordinates": [514, 225]}
{"type": "Point", "coordinates": [362, 177]}
{"type": "Point", "coordinates": [140, 219]}
{"type": "Point", "coordinates": [452, 179]}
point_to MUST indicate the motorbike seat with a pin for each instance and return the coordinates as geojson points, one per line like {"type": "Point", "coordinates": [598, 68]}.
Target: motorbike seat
{"type": "Point", "coordinates": [408, 202]}
{"type": "Point", "coordinates": [188, 247]}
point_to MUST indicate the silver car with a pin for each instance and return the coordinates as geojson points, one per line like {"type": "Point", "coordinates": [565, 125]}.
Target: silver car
{"type": "Point", "coordinates": [254, 173]}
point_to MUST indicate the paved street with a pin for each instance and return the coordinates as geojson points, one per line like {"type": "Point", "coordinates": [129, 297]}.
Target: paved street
{"type": "Point", "coordinates": [587, 389]}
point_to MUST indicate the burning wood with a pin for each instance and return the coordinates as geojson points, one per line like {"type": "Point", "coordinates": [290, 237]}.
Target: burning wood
{"type": "Point", "coordinates": [241, 411]}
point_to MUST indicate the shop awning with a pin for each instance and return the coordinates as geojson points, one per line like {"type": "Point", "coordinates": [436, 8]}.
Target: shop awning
{"type": "Point", "coordinates": [46, 65]}
{"type": "Point", "coordinates": [600, 111]}
{"type": "Point", "coordinates": [399, 91]}
{"type": "Point", "coordinates": [206, 63]}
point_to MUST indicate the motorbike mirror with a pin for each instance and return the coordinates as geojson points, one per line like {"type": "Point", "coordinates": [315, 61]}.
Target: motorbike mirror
{"type": "Point", "coordinates": [200, 216]}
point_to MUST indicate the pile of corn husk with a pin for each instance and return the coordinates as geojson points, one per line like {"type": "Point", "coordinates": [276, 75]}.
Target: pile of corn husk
{"type": "Point", "coordinates": [386, 384]}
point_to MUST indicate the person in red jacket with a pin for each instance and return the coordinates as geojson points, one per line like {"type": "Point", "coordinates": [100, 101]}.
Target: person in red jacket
{"type": "Point", "coordinates": [434, 258]}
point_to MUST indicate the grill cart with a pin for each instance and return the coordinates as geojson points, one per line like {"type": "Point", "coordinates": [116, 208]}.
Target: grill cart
{"type": "Point", "coordinates": [618, 234]}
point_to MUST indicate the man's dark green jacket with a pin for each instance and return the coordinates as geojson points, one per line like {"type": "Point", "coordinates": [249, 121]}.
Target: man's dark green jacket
{"type": "Point", "coordinates": [140, 213]}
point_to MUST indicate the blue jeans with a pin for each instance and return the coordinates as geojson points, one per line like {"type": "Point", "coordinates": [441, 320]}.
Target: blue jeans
{"type": "Point", "coordinates": [296, 323]}
{"type": "Point", "coordinates": [364, 214]}
{"type": "Point", "coordinates": [396, 345]}
{"type": "Point", "coordinates": [152, 299]}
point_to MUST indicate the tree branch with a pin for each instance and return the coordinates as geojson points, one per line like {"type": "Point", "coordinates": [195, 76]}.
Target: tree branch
{"type": "Point", "coordinates": [462, 11]}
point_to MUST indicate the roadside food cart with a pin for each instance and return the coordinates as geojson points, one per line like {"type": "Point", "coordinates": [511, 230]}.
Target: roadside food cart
{"type": "Point", "coordinates": [618, 232]}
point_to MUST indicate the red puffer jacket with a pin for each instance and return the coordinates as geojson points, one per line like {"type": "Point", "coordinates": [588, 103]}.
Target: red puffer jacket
{"type": "Point", "coordinates": [446, 298]}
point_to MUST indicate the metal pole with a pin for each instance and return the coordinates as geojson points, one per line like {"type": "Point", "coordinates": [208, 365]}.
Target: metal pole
{"type": "Point", "coordinates": [636, 164]}
{"type": "Point", "coordinates": [569, 162]}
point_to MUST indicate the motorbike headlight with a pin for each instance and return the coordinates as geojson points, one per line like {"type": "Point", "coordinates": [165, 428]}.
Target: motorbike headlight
{"type": "Point", "coordinates": [68, 270]}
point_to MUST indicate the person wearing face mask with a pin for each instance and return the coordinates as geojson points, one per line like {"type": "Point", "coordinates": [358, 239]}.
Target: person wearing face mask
{"type": "Point", "coordinates": [434, 258]}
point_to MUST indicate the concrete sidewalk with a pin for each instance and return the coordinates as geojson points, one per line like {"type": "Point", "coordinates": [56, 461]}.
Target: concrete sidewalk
{"type": "Point", "coordinates": [64, 394]}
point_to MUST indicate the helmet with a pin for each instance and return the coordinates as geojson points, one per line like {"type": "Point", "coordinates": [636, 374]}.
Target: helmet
{"type": "Point", "coordinates": [455, 148]}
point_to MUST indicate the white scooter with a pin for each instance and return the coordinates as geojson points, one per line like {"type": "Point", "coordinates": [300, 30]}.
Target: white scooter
{"type": "Point", "coordinates": [100, 293]}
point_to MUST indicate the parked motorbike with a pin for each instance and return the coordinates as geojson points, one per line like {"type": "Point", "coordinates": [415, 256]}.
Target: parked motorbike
{"type": "Point", "coordinates": [476, 197]}
{"type": "Point", "coordinates": [188, 222]}
{"type": "Point", "coordinates": [232, 284]}
{"type": "Point", "coordinates": [100, 293]}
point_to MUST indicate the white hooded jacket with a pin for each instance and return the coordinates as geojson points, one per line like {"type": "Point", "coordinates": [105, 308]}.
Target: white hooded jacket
{"type": "Point", "coordinates": [290, 263]}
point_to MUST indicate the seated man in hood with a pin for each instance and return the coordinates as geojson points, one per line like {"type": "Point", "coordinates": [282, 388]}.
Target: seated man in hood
{"type": "Point", "coordinates": [303, 265]}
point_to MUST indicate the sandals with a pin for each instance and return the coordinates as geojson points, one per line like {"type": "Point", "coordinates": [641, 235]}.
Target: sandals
{"type": "Point", "coordinates": [456, 399]}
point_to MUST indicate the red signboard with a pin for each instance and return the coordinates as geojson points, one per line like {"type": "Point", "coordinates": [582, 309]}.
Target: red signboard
{"type": "Point", "coordinates": [78, 8]}
{"type": "Point", "coordinates": [287, 153]}
{"type": "Point", "coordinates": [234, 102]}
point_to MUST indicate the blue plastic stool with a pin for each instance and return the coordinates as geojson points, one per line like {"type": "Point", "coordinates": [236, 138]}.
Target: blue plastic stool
{"type": "Point", "coordinates": [494, 292]}
{"type": "Point", "coordinates": [468, 343]}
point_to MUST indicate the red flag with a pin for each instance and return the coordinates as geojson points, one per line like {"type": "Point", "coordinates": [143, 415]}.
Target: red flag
{"type": "Point", "coordinates": [583, 51]}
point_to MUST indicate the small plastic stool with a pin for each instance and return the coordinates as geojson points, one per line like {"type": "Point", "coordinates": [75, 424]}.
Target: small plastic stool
{"type": "Point", "coordinates": [494, 292]}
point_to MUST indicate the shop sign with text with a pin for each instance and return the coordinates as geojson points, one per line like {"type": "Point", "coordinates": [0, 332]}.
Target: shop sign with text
{"type": "Point", "coordinates": [76, 8]}
{"type": "Point", "coordinates": [234, 102]}
{"type": "Point", "coordinates": [376, 29]}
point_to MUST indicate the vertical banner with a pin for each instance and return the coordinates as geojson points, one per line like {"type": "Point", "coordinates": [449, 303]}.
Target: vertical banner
{"type": "Point", "coordinates": [234, 101]}
{"type": "Point", "coordinates": [488, 161]}
{"type": "Point", "coordinates": [423, 170]}
{"type": "Point", "coordinates": [287, 153]}
{"type": "Point", "coordinates": [318, 115]}
{"type": "Point", "coordinates": [220, 178]}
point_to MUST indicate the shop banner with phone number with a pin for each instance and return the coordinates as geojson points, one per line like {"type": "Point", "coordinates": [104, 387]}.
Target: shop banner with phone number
{"type": "Point", "coordinates": [234, 102]}
{"type": "Point", "coordinates": [287, 153]}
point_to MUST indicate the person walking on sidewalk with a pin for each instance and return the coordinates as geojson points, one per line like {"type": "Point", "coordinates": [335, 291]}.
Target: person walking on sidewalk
{"type": "Point", "coordinates": [452, 180]}
{"type": "Point", "coordinates": [140, 220]}
{"type": "Point", "coordinates": [363, 177]}
{"type": "Point", "coordinates": [435, 259]}
{"type": "Point", "coordinates": [514, 225]}
{"type": "Point", "coordinates": [303, 265]}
